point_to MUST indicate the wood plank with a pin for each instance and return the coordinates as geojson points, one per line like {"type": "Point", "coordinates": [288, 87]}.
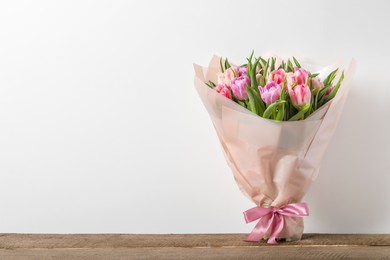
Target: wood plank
{"type": "Point", "coordinates": [187, 246]}
{"type": "Point", "coordinates": [331, 252]}
{"type": "Point", "coordinates": [12, 241]}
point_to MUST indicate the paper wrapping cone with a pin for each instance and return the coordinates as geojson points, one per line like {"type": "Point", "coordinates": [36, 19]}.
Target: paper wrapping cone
{"type": "Point", "coordinates": [273, 162]}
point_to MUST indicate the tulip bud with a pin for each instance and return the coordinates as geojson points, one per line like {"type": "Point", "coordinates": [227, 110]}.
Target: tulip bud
{"type": "Point", "coordinates": [260, 80]}
{"type": "Point", "coordinates": [300, 95]}
{"type": "Point", "coordinates": [224, 91]}
{"type": "Point", "coordinates": [316, 85]}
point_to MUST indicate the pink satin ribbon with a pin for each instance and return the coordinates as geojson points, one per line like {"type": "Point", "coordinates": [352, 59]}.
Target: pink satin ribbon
{"type": "Point", "coordinates": [272, 219]}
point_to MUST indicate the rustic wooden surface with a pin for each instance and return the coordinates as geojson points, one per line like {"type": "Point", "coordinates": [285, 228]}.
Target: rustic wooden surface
{"type": "Point", "coordinates": [199, 246]}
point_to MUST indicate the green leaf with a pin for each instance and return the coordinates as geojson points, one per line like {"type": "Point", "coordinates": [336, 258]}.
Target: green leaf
{"type": "Point", "coordinates": [321, 101]}
{"type": "Point", "coordinates": [283, 92]}
{"type": "Point", "coordinates": [227, 65]}
{"type": "Point", "coordinates": [336, 88]}
{"type": "Point", "coordinates": [291, 109]}
{"type": "Point", "coordinates": [270, 109]}
{"type": "Point", "coordinates": [220, 64]}
{"type": "Point", "coordinates": [309, 111]}
{"type": "Point", "coordinates": [314, 75]}
{"type": "Point", "coordinates": [301, 113]}
{"type": "Point", "coordinates": [290, 67]}
{"type": "Point", "coordinates": [242, 103]}
{"type": "Point", "coordinates": [273, 59]}
{"type": "Point", "coordinates": [263, 61]}
{"type": "Point", "coordinates": [320, 96]}
{"type": "Point", "coordinates": [253, 74]}
{"type": "Point", "coordinates": [330, 77]}
{"type": "Point", "coordinates": [296, 62]}
{"type": "Point", "coordinates": [287, 110]}
{"type": "Point", "coordinates": [250, 57]}
{"type": "Point", "coordinates": [259, 65]}
{"type": "Point", "coordinates": [208, 84]}
{"type": "Point", "coordinates": [281, 113]}
{"type": "Point", "coordinates": [265, 70]}
{"type": "Point", "coordinates": [255, 104]}
{"type": "Point", "coordinates": [249, 64]}
{"type": "Point", "coordinates": [316, 102]}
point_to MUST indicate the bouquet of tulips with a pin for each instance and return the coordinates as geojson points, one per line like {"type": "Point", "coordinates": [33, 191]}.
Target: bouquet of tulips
{"type": "Point", "coordinates": [274, 119]}
{"type": "Point", "coordinates": [274, 88]}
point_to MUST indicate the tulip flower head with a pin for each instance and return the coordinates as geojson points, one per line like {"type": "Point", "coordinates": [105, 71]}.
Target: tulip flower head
{"type": "Point", "coordinates": [227, 76]}
{"type": "Point", "coordinates": [242, 71]}
{"type": "Point", "coordinates": [300, 95]}
{"type": "Point", "coordinates": [224, 91]}
{"type": "Point", "coordinates": [316, 85]}
{"type": "Point", "coordinates": [238, 86]}
{"type": "Point", "coordinates": [329, 90]}
{"type": "Point", "coordinates": [270, 92]}
{"type": "Point", "coordinates": [278, 76]}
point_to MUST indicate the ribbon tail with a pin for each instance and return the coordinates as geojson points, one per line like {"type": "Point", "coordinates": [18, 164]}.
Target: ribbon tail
{"type": "Point", "coordinates": [277, 227]}
{"type": "Point", "coordinates": [260, 229]}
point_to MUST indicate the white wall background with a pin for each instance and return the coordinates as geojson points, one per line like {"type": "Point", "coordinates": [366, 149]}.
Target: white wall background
{"type": "Point", "coordinates": [101, 129]}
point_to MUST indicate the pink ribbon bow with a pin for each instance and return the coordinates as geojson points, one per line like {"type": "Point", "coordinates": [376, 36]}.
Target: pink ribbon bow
{"type": "Point", "coordinates": [272, 219]}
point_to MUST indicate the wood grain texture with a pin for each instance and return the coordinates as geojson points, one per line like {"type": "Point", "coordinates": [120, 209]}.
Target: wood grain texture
{"type": "Point", "coordinates": [187, 246]}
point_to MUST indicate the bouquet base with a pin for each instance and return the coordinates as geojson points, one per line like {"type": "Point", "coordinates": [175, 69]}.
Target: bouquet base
{"type": "Point", "coordinates": [293, 229]}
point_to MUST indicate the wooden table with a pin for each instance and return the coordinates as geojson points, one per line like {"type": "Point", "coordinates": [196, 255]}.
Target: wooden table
{"type": "Point", "coordinates": [199, 246]}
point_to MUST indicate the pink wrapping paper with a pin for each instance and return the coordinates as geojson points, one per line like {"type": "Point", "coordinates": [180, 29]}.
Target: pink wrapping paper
{"type": "Point", "coordinates": [273, 163]}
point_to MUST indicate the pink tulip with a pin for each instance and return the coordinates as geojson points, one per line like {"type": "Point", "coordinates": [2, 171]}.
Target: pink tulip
{"type": "Point", "coordinates": [270, 93]}
{"type": "Point", "coordinates": [227, 76]}
{"type": "Point", "coordinates": [278, 76]}
{"type": "Point", "coordinates": [239, 85]}
{"type": "Point", "coordinates": [242, 70]}
{"type": "Point", "coordinates": [316, 85]}
{"type": "Point", "coordinates": [224, 91]}
{"type": "Point", "coordinates": [290, 78]}
{"type": "Point", "coordinates": [299, 77]}
{"type": "Point", "coordinates": [300, 95]}
{"type": "Point", "coordinates": [329, 90]}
